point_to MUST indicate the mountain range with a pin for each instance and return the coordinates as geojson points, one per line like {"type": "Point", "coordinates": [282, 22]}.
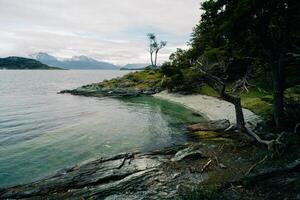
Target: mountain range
{"type": "Point", "coordinates": [76, 62]}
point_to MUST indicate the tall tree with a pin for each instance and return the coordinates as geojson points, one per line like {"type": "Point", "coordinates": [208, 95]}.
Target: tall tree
{"type": "Point", "coordinates": [152, 43]}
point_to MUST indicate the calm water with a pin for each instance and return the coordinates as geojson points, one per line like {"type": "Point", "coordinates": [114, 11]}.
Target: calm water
{"type": "Point", "coordinates": [42, 131]}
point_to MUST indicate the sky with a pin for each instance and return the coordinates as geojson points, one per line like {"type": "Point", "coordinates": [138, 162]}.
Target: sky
{"type": "Point", "coordinates": [108, 30]}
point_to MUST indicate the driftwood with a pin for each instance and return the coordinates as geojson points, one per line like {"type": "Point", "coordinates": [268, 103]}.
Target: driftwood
{"type": "Point", "coordinates": [206, 165]}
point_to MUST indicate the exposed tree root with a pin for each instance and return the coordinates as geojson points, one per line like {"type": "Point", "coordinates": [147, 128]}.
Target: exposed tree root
{"type": "Point", "coordinates": [275, 146]}
{"type": "Point", "coordinates": [256, 164]}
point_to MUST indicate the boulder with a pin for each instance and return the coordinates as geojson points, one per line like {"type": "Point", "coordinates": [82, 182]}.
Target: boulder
{"type": "Point", "coordinates": [218, 125]}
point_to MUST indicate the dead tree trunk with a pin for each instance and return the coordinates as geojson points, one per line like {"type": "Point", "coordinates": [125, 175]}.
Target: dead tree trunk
{"type": "Point", "coordinates": [151, 58]}
{"type": "Point", "coordinates": [278, 84]}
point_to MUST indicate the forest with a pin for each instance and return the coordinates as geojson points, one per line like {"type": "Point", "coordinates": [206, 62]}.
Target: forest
{"type": "Point", "coordinates": [245, 46]}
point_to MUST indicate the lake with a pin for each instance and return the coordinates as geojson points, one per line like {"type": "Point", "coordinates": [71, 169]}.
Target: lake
{"type": "Point", "coordinates": [42, 131]}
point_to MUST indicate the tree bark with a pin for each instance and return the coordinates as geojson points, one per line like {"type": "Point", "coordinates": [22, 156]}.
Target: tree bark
{"type": "Point", "coordinates": [151, 58]}
{"type": "Point", "coordinates": [155, 62]}
{"type": "Point", "coordinates": [236, 101]}
{"type": "Point", "coordinates": [240, 120]}
{"type": "Point", "coordinates": [278, 95]}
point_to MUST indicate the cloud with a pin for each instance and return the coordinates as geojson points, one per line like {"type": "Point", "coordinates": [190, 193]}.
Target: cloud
{"type": "Point", "coordinates": [110, 30]}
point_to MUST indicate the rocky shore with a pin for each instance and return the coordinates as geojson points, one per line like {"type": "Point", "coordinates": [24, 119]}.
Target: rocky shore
{"type": "Point", "coordinates": [96, 91]}
{"type": "Point", "coordinates": [211, 169]}
{"type": "Point", "coordinates": [219, 164]}
{"type": "Point", "coordinates": [155, 175]}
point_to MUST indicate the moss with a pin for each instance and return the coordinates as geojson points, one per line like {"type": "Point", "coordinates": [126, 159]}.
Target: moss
{"type": "Point", "coordinates": [292, 94]}
{"type": "Point", "coordinates": [258, 106]}
{"type": "Point", "coordinates": [206, 134]}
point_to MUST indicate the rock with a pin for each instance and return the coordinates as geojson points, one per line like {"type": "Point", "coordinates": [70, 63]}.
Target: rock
{"type": "Point", "coordinates": [122, 176]}
{"type": "Point", "coordinates": [218, 125]}
{"type": "Point", "coordinates": [188, 153]}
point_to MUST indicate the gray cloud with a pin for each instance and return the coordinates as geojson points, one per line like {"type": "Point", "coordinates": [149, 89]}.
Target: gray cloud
{"type": "Point", "coordinates": [109, 30]}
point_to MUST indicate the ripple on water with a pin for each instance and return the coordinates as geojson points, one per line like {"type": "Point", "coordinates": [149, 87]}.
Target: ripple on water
{"type": "Point", "coordinates": [42, 131]}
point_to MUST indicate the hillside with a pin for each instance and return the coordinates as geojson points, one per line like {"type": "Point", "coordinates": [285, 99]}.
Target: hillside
{"type": "Point", "coordinates": [76, 62]}
{"type": "Point", "coordinates": [22, 63]}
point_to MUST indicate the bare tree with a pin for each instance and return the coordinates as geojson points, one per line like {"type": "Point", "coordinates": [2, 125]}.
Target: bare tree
{"type": "Point", "coordinates": [154, 48]}
{"type": "Point", "coordinates": [152, 40]}
{"type": "Point", "coordinates": [161, 45]}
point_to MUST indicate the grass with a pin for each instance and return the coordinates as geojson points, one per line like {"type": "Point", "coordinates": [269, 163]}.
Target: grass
{"type": "Point", "coordinates": [206, 90]}
{"type": "Point", "coordinates": [256, 100]}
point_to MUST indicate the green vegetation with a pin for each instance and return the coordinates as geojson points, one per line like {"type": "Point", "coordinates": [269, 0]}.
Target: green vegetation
{"type": "Point", "coordinates": [256, 100]}
{"type": "Point", "coordinates": [142, 81]}
{"type": "Point", "coordinates": [22, 63]}
{"type": "Point", "coordinates": [249, 45]}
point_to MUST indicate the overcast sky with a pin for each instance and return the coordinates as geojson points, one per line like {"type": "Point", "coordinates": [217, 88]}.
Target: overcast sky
{"type": "Point", "coordinates": [107, 30]}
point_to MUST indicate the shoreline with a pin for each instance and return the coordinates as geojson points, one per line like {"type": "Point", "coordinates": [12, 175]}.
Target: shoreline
{"type": "Point", "coordinates": [207, 166]}
{"type": "Point", "coordinates": [209, 107]}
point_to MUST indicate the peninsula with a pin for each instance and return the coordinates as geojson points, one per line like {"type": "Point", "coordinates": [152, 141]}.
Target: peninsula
{"type": "Point", "coordinates": [23, 63]}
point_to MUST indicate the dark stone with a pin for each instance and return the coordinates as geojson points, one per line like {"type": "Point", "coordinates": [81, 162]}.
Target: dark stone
{"type": "Point", "coordinates": [218, 125]}
{"type": "Point", "coordinates": [122, 176]}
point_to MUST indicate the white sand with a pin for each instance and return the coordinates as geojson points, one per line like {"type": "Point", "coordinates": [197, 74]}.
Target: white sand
{"type": "Point", "coordinates": [210, 107]}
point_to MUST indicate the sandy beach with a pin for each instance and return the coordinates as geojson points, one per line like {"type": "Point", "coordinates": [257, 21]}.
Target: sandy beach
{"type": "Point", "coordinates": [210, 107]}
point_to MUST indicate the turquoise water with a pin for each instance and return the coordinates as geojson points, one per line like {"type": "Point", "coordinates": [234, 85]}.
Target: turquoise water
{"type": "Point", "coordinates": [42, 131]}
